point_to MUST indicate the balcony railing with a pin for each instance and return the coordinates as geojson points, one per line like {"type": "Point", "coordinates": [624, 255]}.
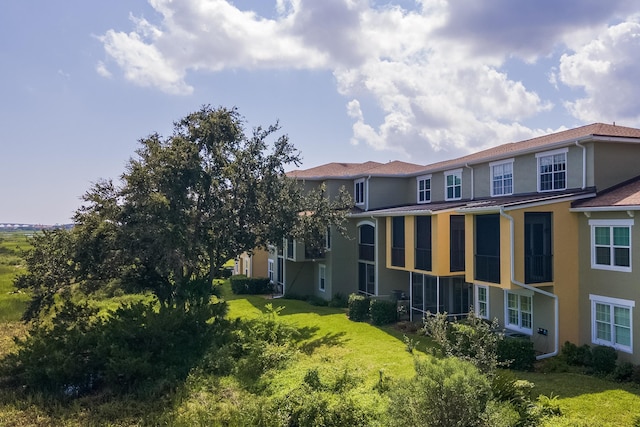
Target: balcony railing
{"type": "Point", "coordinates": [538, 268]}
{"type": "Point", "coordinates": [366, 252]}
{"type": "Point", "coordinates": [487, 268]}
{"type": "Point", "coordinates": [423, 259]}
{"type": "Point", "coordinates": [397, 257]}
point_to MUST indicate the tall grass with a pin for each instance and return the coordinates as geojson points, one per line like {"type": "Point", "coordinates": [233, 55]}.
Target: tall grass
{"type": "Point", "coordinates": [12, 302]}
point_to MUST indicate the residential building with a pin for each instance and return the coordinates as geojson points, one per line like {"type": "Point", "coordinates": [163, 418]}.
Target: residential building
{"type": "Point", "coordinates": [254, 264]}
{"type": "Point", "coordinates": [530, 233]}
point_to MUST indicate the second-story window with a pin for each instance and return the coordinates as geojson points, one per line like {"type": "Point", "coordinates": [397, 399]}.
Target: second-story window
{"type": "Point", "coordinates": [453, 185]}
{"type": "Point", "coordinates": [611, 244]}
{"type": "Point", "coordinates": [424, 189]}
{"type": "Point", "coordinates": [552, 170]}
{"type": "Point", "coordinates": [358, 192]}
{"type": "Point", "coordinates": [501, 178]}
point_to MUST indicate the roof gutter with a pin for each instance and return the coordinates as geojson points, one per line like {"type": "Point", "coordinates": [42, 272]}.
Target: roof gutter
{"type": "Point", "coordinates": [534, 289]}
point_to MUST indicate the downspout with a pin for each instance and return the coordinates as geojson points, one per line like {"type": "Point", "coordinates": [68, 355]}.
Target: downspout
{"type": "Point", "coordinates": [466, 165]}
{"type": "Point", "coordinates": [375, 252]}
{"type": "Point", "coordinates": [534, 289]}
{"type": "Point", "coordinates": [366, 195]}
{"type": "Point", "coordinates": [584, 164]}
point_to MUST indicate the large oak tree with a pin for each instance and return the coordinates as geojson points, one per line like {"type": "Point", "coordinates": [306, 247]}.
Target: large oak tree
{"type": "Point", "coordinates": [185, 205]}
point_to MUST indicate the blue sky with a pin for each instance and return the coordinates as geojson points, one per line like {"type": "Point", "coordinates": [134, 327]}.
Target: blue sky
{"type": "Point", "coordinates": [349, 80]}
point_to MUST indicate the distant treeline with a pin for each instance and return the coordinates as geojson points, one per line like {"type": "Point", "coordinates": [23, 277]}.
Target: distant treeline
{"type": "Point", "coordinates": [31, 227]}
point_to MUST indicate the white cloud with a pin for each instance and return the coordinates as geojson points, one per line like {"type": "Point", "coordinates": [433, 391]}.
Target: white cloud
{"type": "Point", "coordinates": [607, 68]}
{"type": "Point", "coordinates": [435, 72]}
{"type": "Point", "coordinates": [102, 70]}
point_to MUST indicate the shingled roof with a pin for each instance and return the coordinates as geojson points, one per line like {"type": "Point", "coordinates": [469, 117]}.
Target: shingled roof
{"type": "Point", "coordinates": [599, 131]}
{"type": "Point", "coordinates": [355, 170]}
{"type": "Point", "coordinates": [595, 131]}
{"type": "Point", "coordinates": [623, 195]}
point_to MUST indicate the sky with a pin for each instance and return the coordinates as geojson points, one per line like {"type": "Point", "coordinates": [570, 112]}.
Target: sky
{"type": "Point", "coordinates": [81, 82]}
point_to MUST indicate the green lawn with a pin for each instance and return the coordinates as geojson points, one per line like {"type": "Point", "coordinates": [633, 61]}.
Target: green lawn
{"type": "Point", "coordinates": [12, 304]}
{"type": "Point", "coordinates": [329, 340]}
{"type": "Point", "coordinates": [585, 400]}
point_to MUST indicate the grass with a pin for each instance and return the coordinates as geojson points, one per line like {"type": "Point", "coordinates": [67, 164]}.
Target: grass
{"type": "Point", "coordinates": [329, 340]}
{"type": "Point", "coordinates": [12, 303]}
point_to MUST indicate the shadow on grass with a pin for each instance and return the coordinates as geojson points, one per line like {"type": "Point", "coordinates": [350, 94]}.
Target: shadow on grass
{"type": "Point", "coordinates": [328, 340]}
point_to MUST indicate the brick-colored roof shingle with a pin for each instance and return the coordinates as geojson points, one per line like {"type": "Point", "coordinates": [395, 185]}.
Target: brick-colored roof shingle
{"type": "Point", "coordinates": [355, 170]}
{"type": "Point", "coordinates": [624, 194]}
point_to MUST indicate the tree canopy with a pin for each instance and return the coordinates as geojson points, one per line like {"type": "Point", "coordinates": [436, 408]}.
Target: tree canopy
{"type": "Point", "coordinates": [184, 205]}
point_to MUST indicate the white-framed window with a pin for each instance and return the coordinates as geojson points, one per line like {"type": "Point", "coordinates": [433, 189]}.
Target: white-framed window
{"type": "Point", "coordinates": [327, 239]}
{"type": "Point", "coordinates": [552, 170]}
{"type": "Point", "coordinates": [359, 191]}
{"type": "Point", "coordinates": [501, 178]}
{"type": "Point", "coordinates": [424, 189]}
{"type": "Point", "coordinates": [290, 248]}
{"type": "Point", "coordinates": [453, 185]}
{"type": "Point", "coordinates": [322, 277]}
{"type": "Point", "coordinates": [612, 322]}
{"type": "Point", "coordinates": [611, 244]}
{"type": "Point", "coordinates": [270, 270]}
{"type": "Point", "coordinates": [519, 311]}
{"type": "Point", "coordinates": [482, 301]}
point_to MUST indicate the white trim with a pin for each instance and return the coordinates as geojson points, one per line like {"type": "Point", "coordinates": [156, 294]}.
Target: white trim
{"type": "Point", "coordinates": [552, 152]}
{"type": "Point", "coordinates": [456, 173]}
{"type": "Point", "coordinates": [423, 178]}
{"type": "Point", "coordinates": [476, 304]}
{"type": "Point", "coordinates": [491, 176]}
{"type": "Point", "coordinates": [611, 302]}
{"type": "Point", "coordinates": [566, 169]}
{"type": "Point", "coordinates": [610, 223]}
{"type": "Point", "coordinates": [355, 192]}
{"type": "Point", "coordinates": [270, 270]}
{"type": "Point", "coordinates": [322, 278]}
{"type": "Point", "coordinates": [517, 327]}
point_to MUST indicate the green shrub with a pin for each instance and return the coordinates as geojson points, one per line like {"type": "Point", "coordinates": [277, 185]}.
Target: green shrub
{"type": "Point", "coordinates": [623, 372]}
{"type": "Point", "coordinates": [604, 359]}
{"type": "Point", "coordinates": [516, 353]}
{"type": "Point", "coordinates": [383, 312]}
{"type": "Point", "coordinates": [473, 339]}
{"type": "Point", "coordinates": [358, 308]}
{"type": "Point", "coordinates": [339, 301]}
{"type": "Point", "coordinates": [576, 356]}
{"type": "Point", "coordinates": [243, 285]}
{"type": "Point", "coordinates": [444, 392]}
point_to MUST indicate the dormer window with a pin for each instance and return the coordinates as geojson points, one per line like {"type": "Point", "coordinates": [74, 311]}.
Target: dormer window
{"type": "Point", "coordinates": [453, 185]}
{"type": "Point", "coordinates": [358, 192]}
{"type": "Point", "coordinates": [552, 170]}
{"type": "Point", "coordinates": [424, 189]}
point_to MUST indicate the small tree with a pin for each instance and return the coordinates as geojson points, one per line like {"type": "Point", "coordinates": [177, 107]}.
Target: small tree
{"type": "Point", "coordinates": [472, 339]}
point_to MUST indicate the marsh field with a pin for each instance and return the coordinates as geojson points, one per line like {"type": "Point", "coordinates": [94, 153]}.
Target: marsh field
{"type": "Point", "coordinates": [326, 347]}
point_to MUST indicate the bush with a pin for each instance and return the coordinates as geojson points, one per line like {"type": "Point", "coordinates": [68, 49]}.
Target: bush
{"type": "Point", "coordinates": [243, 285]}
{"type": "Point", "coordinates": [358, 308]}
{"type": "Point", "coordinates": [444, 392]}
{"type": "Point", "coordinates": [623, 372]}
{"type": "Point", "coordinates": [473, 339]}
{"type": "Point", "coordinates": [339, 301]}
{"type": "Point", "coordinates": [517, 353]}
{"type": "Point", "coordinates": [383, 312]}
{"type": "Point", "coordinates": [604, 359]}
{"type": "Point", "coordinates": [576, 356]}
